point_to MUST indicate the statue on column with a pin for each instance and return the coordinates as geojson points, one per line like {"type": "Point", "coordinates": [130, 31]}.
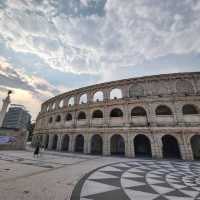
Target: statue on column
{"type": "Point", "coordinates": [5, 105]}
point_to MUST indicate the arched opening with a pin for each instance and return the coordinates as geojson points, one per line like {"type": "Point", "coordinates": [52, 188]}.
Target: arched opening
{"type": "Point", "coordinates": [71, 101]}
{"type": "Point", "coordinates": [195, 144]}
{"type": "Point", "coordinates": [170, 147]}
{"type": "Point", "coordinates": [58, 118]}
{"type": "Point", "coordinates": [189, 110]}
{"type": "Point", "coordinates": [136, 90]}
{"type": "Point", "coordinates": [46, 142]}
{"type": "Point", "coordinates": [79, 144]}
{"type": "Point", "coordinates": [50, 120]}
{"type": "Point", "coordinates": [55, 140]}
{"type": "Point", "coordinates": [68, 117]}
{"type": "Point", "coordinates": [81, 116]}
{"type": "Point", "coordinates": [96, 145]}
{"type": "Point", "coordinates": [116, 94]}
{"type": "Point", "coordinates": [116, 112]}
{"type": "Point", "coordinates": [117, 146]}
{"type": "Point", "coordinates": [61, 103]}
{"type": "Point", "coordinates": [142, 146]}
{"type": "Point", "coordinates": [83, 99]}
{"type": "Point", "coordinates": [98, 96]}
{"type": "Point", "coordinates": [65, 143]}
{"type": "Point", "coordinates": [97, 114]}
{"type": "Point", "coordinates": [163, 110]}
{"type": "Point", "coordinates": [138, 111]}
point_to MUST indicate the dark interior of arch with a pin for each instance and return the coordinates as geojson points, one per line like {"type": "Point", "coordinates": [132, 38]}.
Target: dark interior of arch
{"type": "Point", "coordinates": [116, 112]}
{"type": "Point", "coordinates": [138, 111]}
{"type": "Point", "coordinates": [163, 110]}
{"type": "Point", "coordinates": [68, 117]}
{"type": "Point", "coordinates": [58, 118]}
{"type": "Point", "coordinates": [65, 143]}
{"type": "Point", "coordinates": [195, 144]}
{"type": "Point", "coordinates": [117, 145]}
{"type": "Point", "coordinates": [142, 146]}
{"type": "Point", "coordinates": [55, 140]}
{"type": "Point", "coordinates": [82, 115]}
{"type": "Point", "coordinates": [96, 145]}
{"type": "Point", "coordinates": [189, 110]}
{"type": "Point", "coordinates": [50, 120]}
{"type": "Point", "coordinates": [170, 147]}
{"type": "Point", "coordinates": [79, 144]}
{"type": "Point", "coordinates": [97, 114]}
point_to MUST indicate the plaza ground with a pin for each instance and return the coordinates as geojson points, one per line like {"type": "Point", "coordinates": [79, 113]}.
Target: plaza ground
{"type": "Point", "coordinates": [61, 176]}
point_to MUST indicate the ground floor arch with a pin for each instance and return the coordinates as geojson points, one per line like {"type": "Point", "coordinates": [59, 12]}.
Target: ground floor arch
{"type": "Point", "coordinates": [65, 143]}
{"type": "Point", "coordinates": [195, 144]}
{"type": "Point", "coordinates": [170, 147]}
{"type": "Point", "coordinates": [55, 141]}
{"type": "Point", "coordinates": [79, 144]}
{"type": "Point", "coordinates": [96, 145]}
{"type": "Point", "coordinates": [142, 146]}
{"type": "Point", "coordinates": [117, 145]}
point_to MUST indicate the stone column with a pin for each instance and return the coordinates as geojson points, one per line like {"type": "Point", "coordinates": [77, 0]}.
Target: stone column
{"type": "Point", "coordinates": [151, 117]}
{"type": "Point", "coordinates": [59, 142]}
{"type": "Point", "coordinates": [50, 141]}
{"type": "Point", "coordinates": [185, 148]}
{"type": "Point", "coordinates": [130, 146]}
{"type": "Point", "coordinates": [71, 143]}
{"type": "Point", "coordinates": [156, 147]}
{"type": "Point", "coordinates": [106, 145]}
{"type": "Point", "coordinates": [86, 144]}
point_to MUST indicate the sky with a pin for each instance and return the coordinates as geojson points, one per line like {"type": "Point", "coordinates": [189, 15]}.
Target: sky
{"type": "Point", "coordinates": [48, 47]}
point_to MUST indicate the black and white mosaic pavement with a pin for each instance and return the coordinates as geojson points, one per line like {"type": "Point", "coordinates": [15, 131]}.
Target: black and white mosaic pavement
{"type": "Point", "coordinates": [141, 180]}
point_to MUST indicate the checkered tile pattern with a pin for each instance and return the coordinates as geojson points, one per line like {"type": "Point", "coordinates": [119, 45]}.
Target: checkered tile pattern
{"type": "Point", "coordinates": [143, 180]}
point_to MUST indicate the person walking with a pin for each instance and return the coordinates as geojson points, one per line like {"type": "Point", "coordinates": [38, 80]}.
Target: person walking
{"type": "Point", "coordinates": [37, 151]}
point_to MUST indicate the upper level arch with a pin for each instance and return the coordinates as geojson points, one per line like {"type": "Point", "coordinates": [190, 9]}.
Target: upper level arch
{"type": "Point", "coordinates": [97, 114]}
{"type": "Point", "coordinates": [116, 112]}
{"type": "Point", "coordinates": [190, 109]}
{"type": "Point", "coordinates": [116, 93]}
{"type": "Point", "coordinates": [58, 118]}
{"type": "Point", "coordinates": [81, 115]}
{"type": "Point", "coordinates": [83, 99]}
{"type": "Point", "coordinates": [163, 110]}
{"type": "Point", "coordinates": [138, 111]}
{"type": "Point", "coordinates": [71, 101]}
{"type": "Point", "coordinates": [136, 90]}
{"type": "Point", "coordinates": [98, 96]}
{"type": "Point", "coordinates": [68, 117]}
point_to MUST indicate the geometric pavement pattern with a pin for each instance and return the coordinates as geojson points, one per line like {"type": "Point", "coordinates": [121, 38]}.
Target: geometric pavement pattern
{"type": "Point", "coordinates": [141, 180]}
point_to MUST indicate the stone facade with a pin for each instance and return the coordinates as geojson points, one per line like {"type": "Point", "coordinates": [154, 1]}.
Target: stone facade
{"type": "Point", "coordinates": [157, 116]}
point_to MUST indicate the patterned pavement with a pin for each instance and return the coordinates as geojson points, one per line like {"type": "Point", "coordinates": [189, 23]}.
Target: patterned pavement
{"type": "Point", "coordinates": [141, 180]}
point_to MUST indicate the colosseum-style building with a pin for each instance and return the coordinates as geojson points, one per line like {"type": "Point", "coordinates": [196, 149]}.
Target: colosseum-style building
{"type": "Point", "coordinates": [155, 116]}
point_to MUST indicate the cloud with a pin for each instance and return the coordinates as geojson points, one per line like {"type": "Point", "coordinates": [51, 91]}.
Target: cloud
{"type": "Point", "coordinates": [27, 89]}
{"type": "Point", "coordinates": [94, 40]}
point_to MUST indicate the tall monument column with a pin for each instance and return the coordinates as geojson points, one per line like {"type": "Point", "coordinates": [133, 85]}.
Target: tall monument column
{"type": "Point", "coordinates": [5, 105]}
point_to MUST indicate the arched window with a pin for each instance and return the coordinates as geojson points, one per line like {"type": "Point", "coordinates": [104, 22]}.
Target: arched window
{"type": "Point", "coordinates": [68, 117]}
{"type": "Point", "coordinates": [61, 103]}
{"type": "Point", "coordinates": [116, 112]}
{"type": "Point", "coordinates": [71, 101]}
{"type": "Point", "coordinates": [48, 108]}
{"type": "Point", "coordinates": [81, 116]}
{"type": "Point", "coordinates": [97, 114]}
{"type": "Point", "coordinates": [163, 110]}
{"type": "Point", "coordinates": [136, 90]}
{"type": "Point", "coordinates": [50, 120]}
{"type": "Point", "coordinates": [83, 99]}
{"type": "Point", "coordinates": [116, 94]}
{"type": "Point", "coordinates": [189, 110]}
{"type": "Point", "coordinates": [138, 111]}
{"type": "Point", "coordinates": [98, 96]}
{"type": "Point", "coordinates": [58, 118]}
